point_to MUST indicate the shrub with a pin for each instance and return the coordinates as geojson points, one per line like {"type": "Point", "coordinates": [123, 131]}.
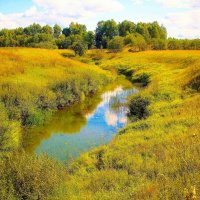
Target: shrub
{"type": "Point", "coordinates": [136, 41]}
{"type": "Point", "coordinates": [9, 133]}
{"type": "Point", "coordinates": [45, 45]}
{"type": "Point", "coordinates": [116, 44]}
{"type": "Point", "coordinates": [158, 44]}
{"type": "Point", "coordinates": [195, 84]}
{"type": "Point", "coordinates": [79, 48]}
{"type": "Point", "coordinates": [143, 78]}
{"type": "Point", "coordinates": [27, 177]}
{"type": "Point", "coordinates": [138, 107]}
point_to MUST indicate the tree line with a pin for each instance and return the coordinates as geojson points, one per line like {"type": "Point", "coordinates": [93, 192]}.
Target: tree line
{"type": "Point", "coordinates": [108, 34]}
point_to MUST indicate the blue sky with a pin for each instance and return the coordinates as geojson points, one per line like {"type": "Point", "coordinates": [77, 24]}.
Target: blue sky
{"type": "Point", "coordinates": [179, 16]}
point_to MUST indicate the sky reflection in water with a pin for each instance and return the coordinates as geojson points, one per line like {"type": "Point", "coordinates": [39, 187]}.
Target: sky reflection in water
{"type": "Point", "coordinates": [78, 129]}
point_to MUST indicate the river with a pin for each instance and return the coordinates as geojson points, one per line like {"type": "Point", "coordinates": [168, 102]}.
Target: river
{"type": "Point", "coordinates": [82, 126]}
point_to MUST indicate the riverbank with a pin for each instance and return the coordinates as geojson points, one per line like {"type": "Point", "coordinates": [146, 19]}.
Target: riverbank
{"type": "Point", "coordinates": [35, 82]}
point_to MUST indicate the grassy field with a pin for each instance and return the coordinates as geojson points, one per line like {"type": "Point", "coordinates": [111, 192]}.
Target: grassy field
{"type": "Point", "coordinates": [152, 158]}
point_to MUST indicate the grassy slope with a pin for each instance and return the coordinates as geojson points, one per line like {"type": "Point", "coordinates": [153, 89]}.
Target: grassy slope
{"type": "Point", "coordinates": [34, 83]}
{"type": "Point", "coordinates": [156, 158]}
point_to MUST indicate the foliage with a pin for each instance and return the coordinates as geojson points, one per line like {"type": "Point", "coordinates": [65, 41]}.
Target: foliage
{"type": "Point", "coordinates": [27, 177]}
{"type": "Point", "coordinates": [9, 133]}
{"type": "Point", "coordinates": [140, 36]}
{"type": "Point", "coordinates": [126, 28]}
{"type": "Point", "coordinates": [79, 48]}
{"type": "Point", "coordinates": [57, 31]}
{"type": "Point", "coordinates": [138, 107]}
{"type": "Point", "coordinates": [158, 44]}
{"type": "Point", "coordinates": [116, 44]}
{"type": "Point", "coordinates": [136, 42]}
{"type": "Point", "coordinates": [143, 78]}
{"type": "Point", "coordinates": [193, 44]}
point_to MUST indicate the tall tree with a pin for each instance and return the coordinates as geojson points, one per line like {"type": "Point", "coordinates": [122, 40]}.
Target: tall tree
{"type": "Point", "coordinates": [57, 30]}
{"type": "Point", "coordinates": [47, 29]}
{"type": "Point", "coordinates": [33, 29]}
{"type": "Point", "coordinates": [105, 31]}
{"type": "Point", "coordinates": [90, 39]}
{"type": "Point", "coordinates": [142, 29]}
{"type": "Point", "coordinates": [126, 27]}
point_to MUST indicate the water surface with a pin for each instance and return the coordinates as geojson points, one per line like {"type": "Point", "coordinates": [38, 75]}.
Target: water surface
{"type": "Point", "coordinates": [81, 127]}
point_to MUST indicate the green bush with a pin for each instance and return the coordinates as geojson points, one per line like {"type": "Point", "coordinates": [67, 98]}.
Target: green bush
{"type": "Point", "coordinates": [143, 78]}
{"type": "Point", "coordinates": [79, 48]}
{"type": "Point", "coordinates": [195, 84]}
{"type": "Point", "coordinates": [136, 41]}
{"type": "Point", "coordinates": [138, 107]}
{"type": "Point", "coordinates": [45, 45]}
{"type": "Point", "coordinates": [9, 133]}
{"type": "Point", "coordinates": [116, 44]}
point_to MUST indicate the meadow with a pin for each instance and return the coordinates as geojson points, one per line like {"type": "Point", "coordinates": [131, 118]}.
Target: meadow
{"type": "Point", "coordinates": [154, 157]}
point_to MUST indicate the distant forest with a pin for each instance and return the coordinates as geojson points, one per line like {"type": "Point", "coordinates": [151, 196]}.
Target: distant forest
{"type": "Point", "coordinates": [108, 34]}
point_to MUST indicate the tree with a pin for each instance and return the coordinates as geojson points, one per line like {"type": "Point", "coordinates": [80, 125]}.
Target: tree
{"type": "Point", "coordinates": [142, 29]}
{"type": "Point", "coordinates": [66, 32]}
{"type": "Point", "coordinates": [158, 44]}
{"type": "Point", "coordinates": [47, 29]}
{"type": "Point", "coordinates": [56, 30]}
{"type": "Point", "coordinates": [141, 43]}
{"type": "Point", "coordinates": [89, 38]}
{"type": "Point", "coordinates": [105, 31]}
{"type": "Point", "coordinates": [157, 31]}
{"type": "Point", "coordinates": [79, 48]}
{"type": "Point", "coordinates": [33, 29]}
{"type": "Point", "coordinates": [130, 40]}
{"type": "Point", "coordinates": [116, 44]}
{"type": "Point", "coordinates": [173, 44]}
{"type": "Point", "coordinates": [63, 42]}
{"type": "Point", "coordinates": [136, 41]}
{"type": "Point", "coordinates": [75, 29]}
{"type": "Point", "coordinates": [126, 27]}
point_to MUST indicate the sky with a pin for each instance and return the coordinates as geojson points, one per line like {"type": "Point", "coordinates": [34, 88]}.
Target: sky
{"type": "Point", "coordinates": [180, 17]}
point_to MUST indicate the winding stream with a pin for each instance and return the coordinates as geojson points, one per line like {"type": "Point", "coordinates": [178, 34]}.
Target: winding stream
{"type": "Point", "coordinates": [82, 126]}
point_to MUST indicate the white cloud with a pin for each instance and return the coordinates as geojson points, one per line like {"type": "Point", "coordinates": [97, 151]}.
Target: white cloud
{"type": "Point", "coordinates": [172, 3]}
{"type": "Point", "coordinates": [183, 24]}
{"type": "Point", "coordinates": [179, 3]}
{"type": "Point", "coordinates": [79, 7]}
{"type": "Point", "coordinates": [111, 118]}
{"type": "Point", "coordinates": [138, 2]}
{"type": "Point", "coordinates": [59, 11]}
